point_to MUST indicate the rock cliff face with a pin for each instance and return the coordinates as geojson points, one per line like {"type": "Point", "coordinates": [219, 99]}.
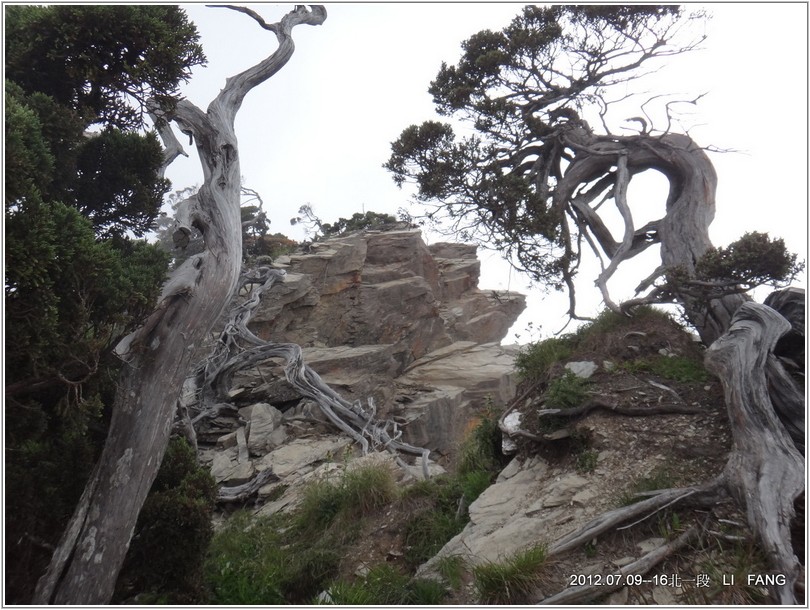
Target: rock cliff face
{"type": "Point", "coordinates": [380, 315]}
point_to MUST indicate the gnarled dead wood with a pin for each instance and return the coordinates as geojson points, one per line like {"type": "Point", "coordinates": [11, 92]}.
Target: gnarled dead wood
{"type": "Point", "coordinates": [702, 496]}
{"type": "Point", "coordinates": [240, 493]}
{"type": "Point", "coordinates": [584, 593]}
{"type": "Point", "coordinates": [239, 348]}
{"type": "Point", "coordinates": [158, 356]}
{"type": "Point", "coordinates": [765, 471]}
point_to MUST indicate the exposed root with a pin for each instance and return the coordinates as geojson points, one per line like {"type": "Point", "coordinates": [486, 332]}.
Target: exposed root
{"type": "Point", "coordinates": [231, 354]}
{"type": "Point", "coordinates": [619, 579]}
{"type": "Point", "coordinates": [699, 496]}
{"type": "Point", "coordinates": [240, 493]}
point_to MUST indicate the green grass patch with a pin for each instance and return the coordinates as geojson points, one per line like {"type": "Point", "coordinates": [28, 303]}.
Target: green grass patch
{"type": "Point", "coordinates": [441, 502]}
{"type": "Point", "coordinates": [534, 360]}
{"type": "Point", "coordinates": [451, 568]}
{"type": "Point", "coordinates": [728, 568]}
{"type": "Point", "coordinates": [676, 368]}
{"type": "Point", "coordinates": [288, 559]}
{"type": "Point", "coordinates": [385, 586]}
{"type": "Point", "coordinates": [436, 520]}
{"type": "Point", "coordinates": [509, 581]}
{"type": "Point", "coordinates": [586, 461]}
{"type": "Point", "coordinates": [358, 492]}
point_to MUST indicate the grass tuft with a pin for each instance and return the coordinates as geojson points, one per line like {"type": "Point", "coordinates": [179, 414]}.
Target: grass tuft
{"type": "Point", "coordinates": [510, 581]}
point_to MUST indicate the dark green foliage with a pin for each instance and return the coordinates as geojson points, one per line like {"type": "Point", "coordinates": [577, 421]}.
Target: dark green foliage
{"type": "Point", "coordinates": [523, 90]}
{"type": "Point", "coordinates": [752, 260]}
{"type": "Point", "coordinates": [566, 392]}
{"type": "Point", "coordinates": [358, 222]}
{"type": "Point", "coordinates": [173, 532]}
{"type": "Point", "coordinates": [112, 177]}
{"type": "Point", "coordinates": [74, 285]}
{"type": "Point", "coordinates": [98, 59]}
{"type": "Point", "coordinates": [68, 296]}
{"type": "Point", "coordinates": [117, 185]}
{"type": "Point", "coordinates": [46, 466]}
{"type": "Point", "coordinates": [29, 160]}
{"type": "Point", "coordinates": [481, 450]}
{"type": "Point", "coordinates": [534, 360]}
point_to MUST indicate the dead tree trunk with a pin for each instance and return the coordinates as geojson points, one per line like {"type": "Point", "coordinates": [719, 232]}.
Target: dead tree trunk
{"type": "Point", "coordinates": [158, 355]}
{"type": "Point", "coordinates": [765, 471]}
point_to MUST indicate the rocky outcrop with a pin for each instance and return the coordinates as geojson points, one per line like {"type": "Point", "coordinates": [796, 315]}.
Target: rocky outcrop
{"type": "Point", "coordinates": [380, 316]}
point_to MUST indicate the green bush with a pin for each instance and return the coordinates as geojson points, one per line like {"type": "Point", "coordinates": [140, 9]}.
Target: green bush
{"type": "Point", "coordinates": [534, 360]}
{"type": "Point", "coordinates": [509, 581]}
{"type": "Point", "coordinates": [587, 460]}
{"type": "Point", "coordinates": [173, 531]}
{"type": "Point", "coordinates": [566, 392]}
{"type": "Point", "coordinates": [481, 450]}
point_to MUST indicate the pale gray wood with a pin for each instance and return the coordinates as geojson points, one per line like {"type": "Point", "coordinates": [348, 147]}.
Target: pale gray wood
{"type": "Point", "coordinates": [159, 355]}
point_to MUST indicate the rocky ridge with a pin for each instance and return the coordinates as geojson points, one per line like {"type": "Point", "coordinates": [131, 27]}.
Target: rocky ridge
{"type": "Point", "coordinates": [381, 316]}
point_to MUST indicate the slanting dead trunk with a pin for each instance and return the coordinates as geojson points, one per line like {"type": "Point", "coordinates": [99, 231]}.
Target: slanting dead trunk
{"type": "Point", "coordinates": [85, 566]}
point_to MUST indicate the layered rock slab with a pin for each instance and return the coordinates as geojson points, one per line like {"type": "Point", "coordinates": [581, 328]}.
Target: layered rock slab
{"type": "Point", "coordinates": [386, 320]}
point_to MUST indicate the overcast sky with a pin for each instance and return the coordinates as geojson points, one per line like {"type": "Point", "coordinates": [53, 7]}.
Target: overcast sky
{"type": "Point", "coordinates": [319, 131]}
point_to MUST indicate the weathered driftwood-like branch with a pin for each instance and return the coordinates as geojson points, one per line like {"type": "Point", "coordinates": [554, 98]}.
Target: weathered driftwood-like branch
{"type": "Point", "coordinates": [592, 405]}
{"type": "Point", "coordinates": [240, 493]}
{"type": "Point", "coordinates": [584, 593]}
{"type": "Point", "coordinates": [620, 196]}
{"type": "Point", "coordinates": [705, 495]}
{"type": "Point", "coordinates": [232, 355]}
{"type": "Point", "coordinates": [158, 356]}
{"type": "Point", "coordinates": [765, 470]}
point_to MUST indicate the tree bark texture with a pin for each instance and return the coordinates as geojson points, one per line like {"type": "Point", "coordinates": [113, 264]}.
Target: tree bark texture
{"type": "Point", "coordinates": [85, 566]}
{"type": "Point", "coordinates": [765, 471]}
{"type": "Point", "coordinates": [683, 232]}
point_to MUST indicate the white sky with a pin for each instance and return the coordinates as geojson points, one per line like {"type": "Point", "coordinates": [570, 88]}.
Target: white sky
{"type": "Point", "coordinates": [319, 131]}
